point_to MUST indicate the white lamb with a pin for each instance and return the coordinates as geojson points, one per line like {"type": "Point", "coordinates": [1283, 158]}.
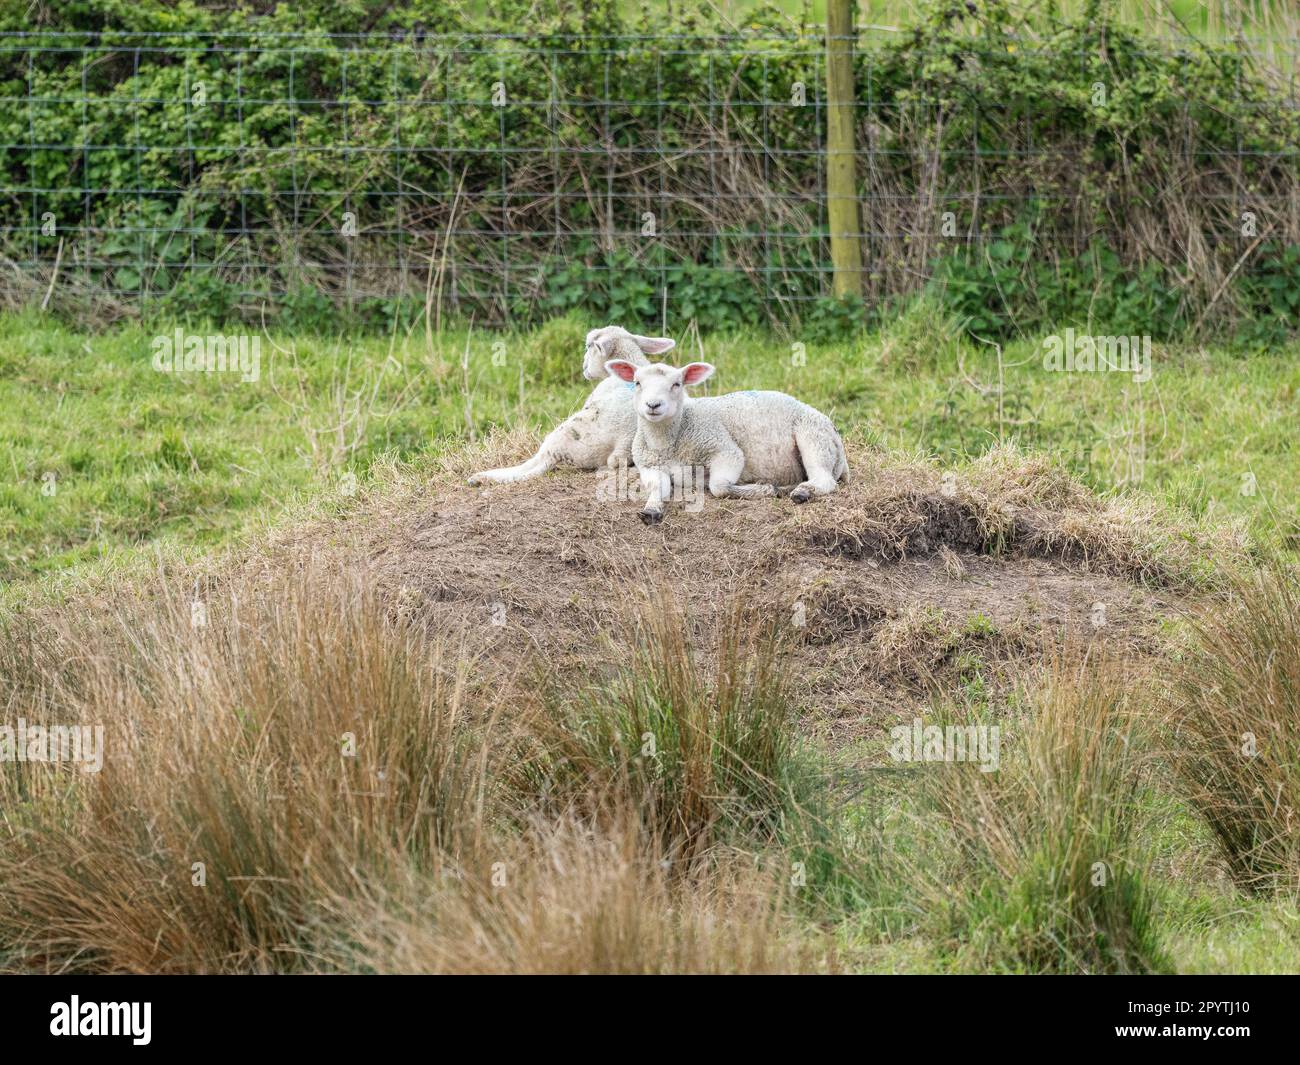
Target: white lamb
{"type": "Point", "coordinates": [764, 439]}
{"type": "Point", "coordinates": [600, 434]}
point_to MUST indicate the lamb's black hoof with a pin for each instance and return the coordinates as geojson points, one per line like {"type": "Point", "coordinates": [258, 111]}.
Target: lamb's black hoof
{"type": "Point", "coordinates": [652, 517]}
{"type": "Point", "coordinates": [801, 495]}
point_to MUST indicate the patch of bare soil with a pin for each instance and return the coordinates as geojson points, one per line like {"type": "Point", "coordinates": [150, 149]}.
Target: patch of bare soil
{"type": "Point", "coordinates": [906, 577]}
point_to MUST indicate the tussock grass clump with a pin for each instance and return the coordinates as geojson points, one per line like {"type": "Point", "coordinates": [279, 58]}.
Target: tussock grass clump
{"type": "Point", "coordinates": [706, 749]}
{"type": "Point", "coordinates": [298, 777]}
{"type": "Point", "coordinates": [567, 896]}
{"type": "Point", "coordinates": [1235, 710]}
{"type": "Point", "coordinates": [282, 744]}
{"type": "Point", "coordinates": [1053, 878]}
{"type": "Point", "coordinates": [703, 745]}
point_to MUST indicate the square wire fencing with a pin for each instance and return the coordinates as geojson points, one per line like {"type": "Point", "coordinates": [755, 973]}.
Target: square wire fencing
{"type": "Point", "coordinates": [661, 179]}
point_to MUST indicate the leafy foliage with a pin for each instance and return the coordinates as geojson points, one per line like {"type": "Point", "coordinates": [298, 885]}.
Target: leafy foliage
{"type": "Point", "coordinates": [1080, 170]}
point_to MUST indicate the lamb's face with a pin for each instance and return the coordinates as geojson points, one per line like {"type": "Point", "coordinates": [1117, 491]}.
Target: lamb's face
{"type": "Point", "coordinates": [660, 389]}
{"type": "Point", "coordinates": [658, 392]}
{"type": "Point", "coordinates": [615, 342]}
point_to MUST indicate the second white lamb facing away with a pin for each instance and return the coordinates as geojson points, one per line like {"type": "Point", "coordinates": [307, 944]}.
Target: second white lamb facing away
{"type": "Point", "coordinates": [600, 434]}
{"type": "Point", "coordinates": [751, 443]}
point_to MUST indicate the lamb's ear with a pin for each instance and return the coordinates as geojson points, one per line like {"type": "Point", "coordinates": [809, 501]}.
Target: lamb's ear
{"type": "Point", "coordinates": [654, 345]}
{"type": "Point", "coordinates": [696, 372]}
{"type": "Point", "coordinates": [621, 369]}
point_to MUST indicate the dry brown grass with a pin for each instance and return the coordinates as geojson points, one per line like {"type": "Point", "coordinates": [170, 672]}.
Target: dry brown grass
{"type": "Point", "coordinates": [228, 744]}
{"type": "Point", "coordinates": [1011, 503]}
{"type": "Point", "coordinates": [567, 897]}
{"type": "Point", "coordinates": [311, 780]}
{"type": "Point", "coordinates": [1235, 715]}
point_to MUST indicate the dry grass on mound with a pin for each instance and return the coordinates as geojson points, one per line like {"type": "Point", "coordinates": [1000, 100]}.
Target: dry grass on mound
{"type": "Point", "coordinates": [907, 575]}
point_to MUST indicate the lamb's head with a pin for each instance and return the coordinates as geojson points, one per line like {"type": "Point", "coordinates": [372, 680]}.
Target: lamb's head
{"type": "Point", "coordinates": [660, 388]}
{"type": "Point", "coordinates": [615, 342]}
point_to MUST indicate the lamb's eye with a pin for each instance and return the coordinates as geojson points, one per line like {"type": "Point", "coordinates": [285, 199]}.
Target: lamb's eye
{"type": "Point", "coordinates": [677, 384]}
{"type": "Point", "coordinates": [638, 384]}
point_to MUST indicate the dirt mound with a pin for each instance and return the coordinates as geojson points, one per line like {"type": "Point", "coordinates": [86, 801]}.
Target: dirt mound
{"type": "Point", "coordinates": [908, 576]}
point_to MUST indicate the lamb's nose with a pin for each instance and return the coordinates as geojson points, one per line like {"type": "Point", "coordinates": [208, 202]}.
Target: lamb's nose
{"type": "Point", "coordinates": [652, 407]}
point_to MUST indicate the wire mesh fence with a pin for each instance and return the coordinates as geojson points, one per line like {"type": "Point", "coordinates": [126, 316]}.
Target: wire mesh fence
{"type": "Point", "coordinates": [504, 177]}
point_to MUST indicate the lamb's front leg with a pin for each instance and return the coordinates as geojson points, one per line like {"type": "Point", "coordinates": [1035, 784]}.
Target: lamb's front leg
{"type": "Point", "coordinates": [658, 484]}
{"type": "Point", "coordinates": [725, 471]}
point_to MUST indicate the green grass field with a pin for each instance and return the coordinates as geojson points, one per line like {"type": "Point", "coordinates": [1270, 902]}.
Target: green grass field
{"type": "Point", "coordinates": [104, 456]}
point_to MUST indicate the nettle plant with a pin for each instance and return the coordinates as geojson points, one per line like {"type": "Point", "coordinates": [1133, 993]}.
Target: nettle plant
{"type": "Point", "coordinates": [620, 285]}
{"type": "Point", "coordinates": [1011, 285]}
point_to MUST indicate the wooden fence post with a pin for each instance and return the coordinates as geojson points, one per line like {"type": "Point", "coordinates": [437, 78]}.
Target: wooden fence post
{"type": "Point", "coordinates": [841, 165]}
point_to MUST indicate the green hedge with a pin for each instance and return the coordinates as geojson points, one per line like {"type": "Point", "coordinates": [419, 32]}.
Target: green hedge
{"type": "Point", "coordinates": [992, 169]}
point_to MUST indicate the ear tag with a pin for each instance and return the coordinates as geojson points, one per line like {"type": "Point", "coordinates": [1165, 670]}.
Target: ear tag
{"type": "Point", "coordinates": [630, 385]}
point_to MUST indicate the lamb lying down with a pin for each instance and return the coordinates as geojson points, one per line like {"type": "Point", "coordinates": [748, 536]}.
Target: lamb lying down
{"type": "Point", "coordinates": [751, 443]}
{"type": "Point", "coordinates": [601, 433]}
